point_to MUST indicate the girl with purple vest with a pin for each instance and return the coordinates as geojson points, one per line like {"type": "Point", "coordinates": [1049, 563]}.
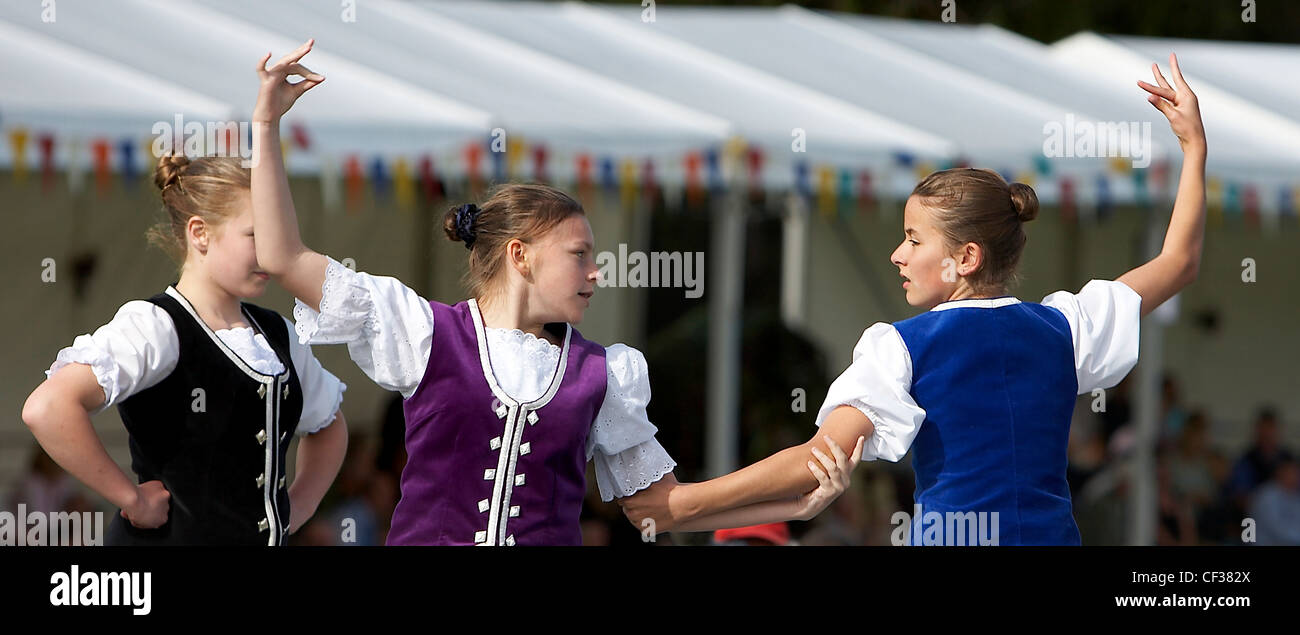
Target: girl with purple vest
{"type": "Point", "coordinates": [981, 387]}
{"type": "Point", "coordinates": [505, 402]}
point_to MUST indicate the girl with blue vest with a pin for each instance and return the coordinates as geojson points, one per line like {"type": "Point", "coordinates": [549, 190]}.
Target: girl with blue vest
{"type": "Point", "coordinates": [212, 390]}
{"type": "Point", "coordinates": [981, 386]}
{"type": "Point", "coordinates": [505, 402]}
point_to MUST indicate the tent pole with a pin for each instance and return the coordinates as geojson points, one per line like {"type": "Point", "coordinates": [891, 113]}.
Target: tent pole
{"type": "Point", "coordinates": [727, 279]}
{"type": "Point", "coordinates": [1144, 498]}
{"type": "Point", "coordinates": [794, 262]}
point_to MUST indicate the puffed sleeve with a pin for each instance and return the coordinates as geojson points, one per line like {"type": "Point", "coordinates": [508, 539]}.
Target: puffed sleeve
{"type": "Point", "coordinates": [878, 383]}
{"type": "Point", "coordinates": [387, 326]}
{"type": "Point", "coordinates": [1105, 317]}
{"type": "Point", "coordinates": [134, 351]}
{"type": "Point", "coordinates": [322, 392]}
{"type": "Point", "coordinates": [622, 443]}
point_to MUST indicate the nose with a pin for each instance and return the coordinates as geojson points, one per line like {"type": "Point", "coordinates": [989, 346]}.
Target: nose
{"type": "Point", "coordinates": [896, 258]}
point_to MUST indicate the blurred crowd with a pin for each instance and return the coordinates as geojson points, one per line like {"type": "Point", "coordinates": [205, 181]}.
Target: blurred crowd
{"type": "Point", "coordinates": [1205, 497]}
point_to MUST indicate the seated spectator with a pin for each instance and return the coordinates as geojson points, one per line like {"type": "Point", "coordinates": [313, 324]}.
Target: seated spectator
{"type": "Point", "coordinates": [1276, 506]}
{"type": "Point", "coordinates": [1256, 466]}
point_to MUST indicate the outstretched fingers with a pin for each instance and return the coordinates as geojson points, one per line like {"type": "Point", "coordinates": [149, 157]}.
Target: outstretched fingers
{"type": "Point", "coordinates": [296, 55]}
{"type": "Point", "coordinates": [261, 65]}
{"type": "Point", "coordinates": [1177, 73]}
{"type": "Point", "coordinates": [306, 73]}
{"type": "Point", "coordinates": [1158, 91]}
{"type": "Point", "coordinates": [1160, 78]}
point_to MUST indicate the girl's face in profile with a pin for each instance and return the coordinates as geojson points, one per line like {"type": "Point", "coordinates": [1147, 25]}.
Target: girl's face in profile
{"type": "Point", "coordinates": [565, 271]}
{"type": "Point", "coordinates": [231, 261]}
{"type": "Point", "coordinates": [929, 271]}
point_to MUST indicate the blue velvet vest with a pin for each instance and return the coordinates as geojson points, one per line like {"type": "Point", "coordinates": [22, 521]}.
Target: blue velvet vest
{"type": "Point", "coordinates": [998, 386]}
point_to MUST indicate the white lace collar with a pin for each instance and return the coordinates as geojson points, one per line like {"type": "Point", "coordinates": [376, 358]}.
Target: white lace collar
{"type": "Point", "coordinates": [523, 340]}
{"type": "Point", "coordinates": [243, 364]}
{"type": "Point", "coordinates": [253, 348]}
{"type": "Point", "coordinates": [977, 303]}
{"type": "Point", "coordinates": [527, 371]}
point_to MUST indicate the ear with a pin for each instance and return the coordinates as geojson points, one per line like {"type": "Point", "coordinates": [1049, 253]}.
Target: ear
{"type": "Point", "coordinates": [519, 256]}
{"type": "Point", "coordinates": [969, 259]}
{"type": "Point", "coordinates": [197, 234]}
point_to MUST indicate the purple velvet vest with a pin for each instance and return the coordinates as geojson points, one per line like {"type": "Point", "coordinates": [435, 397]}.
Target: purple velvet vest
{"type": "Point", "coordinates": [483, 468]}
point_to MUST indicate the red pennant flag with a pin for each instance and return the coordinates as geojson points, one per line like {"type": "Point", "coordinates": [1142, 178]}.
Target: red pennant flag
{"type": "Point", "coordinates": [539, 164]}
{"type": "Point", "coordinates": [46, 143]}
{"type": "Point", "coordinates": [352, 182]}
{"type": "Point", "coordinates": [648, 179]}
{"type": "Point", "coordinates": [429, 185]}
{"type": "Point", "coordinates": [300, 138]}
{"type": "Point", "coordinates": [866, 198]}
{"type": "Point", "coordinates": [100, 150]}
{"type": "Point", "coordinates": [1068, 211]}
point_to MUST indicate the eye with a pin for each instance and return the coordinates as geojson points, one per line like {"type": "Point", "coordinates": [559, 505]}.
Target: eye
{"type": "Point", "coordinates": [579, 253]}
{"type": "Point", "coordinates": [913, 242]}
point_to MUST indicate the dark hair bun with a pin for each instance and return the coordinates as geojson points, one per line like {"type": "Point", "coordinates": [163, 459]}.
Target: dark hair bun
{"type": "Point", "coordinates": [169, 170]}
{"type": "Point", "coordinates": [1024, 201]}
{"type": "Point", "coordinates": [458, 223]}
{"type": "Point", "coordinates": [449, 225]}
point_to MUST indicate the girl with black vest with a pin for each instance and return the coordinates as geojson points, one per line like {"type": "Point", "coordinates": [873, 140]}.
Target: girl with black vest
{"type": "Point", "coordinates": [211, 389]}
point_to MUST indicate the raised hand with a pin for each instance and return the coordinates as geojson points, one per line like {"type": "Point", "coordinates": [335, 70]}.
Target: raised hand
{"type": "Point", "coordinates": [1178, 104]}
{"type": "Point", "coordinates": [834, 480]}
{"type": "Point", "coordinates": [151, 506]}
{"type": "Point", "coordinates": [276, 95]}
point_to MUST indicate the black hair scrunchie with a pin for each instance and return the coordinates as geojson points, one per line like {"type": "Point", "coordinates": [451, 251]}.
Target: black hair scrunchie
{"type": "Point", "coordinates": [466, 215]}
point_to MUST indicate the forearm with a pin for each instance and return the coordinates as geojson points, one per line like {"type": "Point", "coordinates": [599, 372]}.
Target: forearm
{"type": "Point", "coordinates": [1179, 259]}
{"type": "Point", "coordinates": [280, 250]}
{"type": "Point", "coordinates": [320, 456]}
{"type": "Point", "coordinates": [756, 514]}
{"type": "Point", "coordinates": [781, 476]}
{"type": "Point", "coordinates": [1186, 234]}
{"type": "Point", "coordinates": [66, 433]}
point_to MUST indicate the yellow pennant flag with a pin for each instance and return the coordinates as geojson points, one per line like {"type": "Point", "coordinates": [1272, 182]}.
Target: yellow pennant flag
{"type": "Point", "coordinates": [18, 143]}
{"type": "Point", "coordinates": [403, 185]}
{"type": "Point", "coordinates": [627, 184]}
{"type": "Point", "coordinates": [826, 190]}
{"type": "Point", "coordinates": [514, 154]}
{"type": "Point", "coordinates": [1214, 200]}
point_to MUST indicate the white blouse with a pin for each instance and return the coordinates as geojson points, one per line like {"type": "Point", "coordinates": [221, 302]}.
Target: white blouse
{"type": "Point", "coordinates": [139, 348]}
{"type": "Point", "coordinates": [388, 329]}
{"type": "Point", "coordinates": [1104, 319]}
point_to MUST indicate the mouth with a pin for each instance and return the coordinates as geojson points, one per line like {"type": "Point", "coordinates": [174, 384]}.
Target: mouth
{"type": "Point", "coordinates": [587, 294]}
{"type": "Point", "coordinates": [906, 281]}
{"type": "Point", "coordinates": [262, 274]}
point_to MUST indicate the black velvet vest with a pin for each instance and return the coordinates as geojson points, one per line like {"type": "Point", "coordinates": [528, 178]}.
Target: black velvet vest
{"type": "Point", "coordinates": [216, 433]}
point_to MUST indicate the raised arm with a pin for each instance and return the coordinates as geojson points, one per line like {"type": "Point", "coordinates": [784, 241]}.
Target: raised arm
{"type": "Point", "coordinates": [1180, 257]}
{"type": "Point", "coordinates": [280, 251]}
